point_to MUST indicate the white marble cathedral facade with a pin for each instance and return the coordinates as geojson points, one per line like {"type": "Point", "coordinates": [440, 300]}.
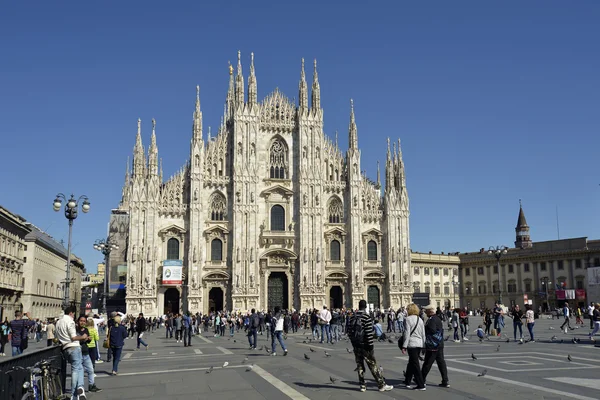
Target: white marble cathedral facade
{"type": "Point", "coordinates": [268, 212]}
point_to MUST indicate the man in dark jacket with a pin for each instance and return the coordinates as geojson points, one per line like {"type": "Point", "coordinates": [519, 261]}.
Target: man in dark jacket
{"type": "Point", "coordinates": [434, 346]}
{"type": "Point", "coordinates": [252, 328]}
{"type": "Point", "coordinates": [140, 327]}
{"type": "Point", "coordinates": [364, 350]}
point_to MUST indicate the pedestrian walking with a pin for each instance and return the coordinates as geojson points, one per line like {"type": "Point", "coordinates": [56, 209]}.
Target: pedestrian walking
{"type": "Point", "coordinates": [116, 336]}
{"type": "Point", "coordinates": [530, 320]}
{"type": "Point", "coordinates": [140, 327]}
{"type": "Point", "coordinates": [413, 340]}
{"type": "Point", "coordinates": [360, 331]}
{"type": "Point", "coordinates": [277, 333]}
{"type": "Point", "coordinates": [434, 346]}
{"type": "Point", "coordinates": [567, 315]}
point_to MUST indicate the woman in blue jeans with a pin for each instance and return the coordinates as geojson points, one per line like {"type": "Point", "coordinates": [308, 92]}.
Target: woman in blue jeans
{"type": "Point", "coordinates": [117, 335]}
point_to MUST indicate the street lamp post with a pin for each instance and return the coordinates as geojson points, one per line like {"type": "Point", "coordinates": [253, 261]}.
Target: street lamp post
{"type": "Point", "coordinates": [455, 284]}
{"type": "Point", "coordinates": [105, 247]}
{"type": "Point", "coordinates": [545, 284]}
{"type": "Point", "coordinates": [498, 252]}
{"type": "Point", "coordinates": [71, 211]}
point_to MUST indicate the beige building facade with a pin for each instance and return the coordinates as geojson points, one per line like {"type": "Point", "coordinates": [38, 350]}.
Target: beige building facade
{"type": "Point", "coordinates": [268, 212]}
{"type": "Point", "coordinates": [13, 229]}
{"type": "Point", "coordinates": [44, 275]}
{"type": "Point", "coordinates": [437, 276]}
{"type": "Point", "coordinates": [545, 273]}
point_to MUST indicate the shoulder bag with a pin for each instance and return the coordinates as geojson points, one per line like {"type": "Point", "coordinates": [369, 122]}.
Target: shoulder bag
{"type": "Point", "coordinates": [106, 343]}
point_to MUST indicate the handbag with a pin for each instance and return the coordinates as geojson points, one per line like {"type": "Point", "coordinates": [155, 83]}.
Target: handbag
{"type": "Point", "coordinates": [106, 343]}
{"type": "Point", "coordinates": [401, 344]}
{"type": "Point", "coordinates": [24, 338]}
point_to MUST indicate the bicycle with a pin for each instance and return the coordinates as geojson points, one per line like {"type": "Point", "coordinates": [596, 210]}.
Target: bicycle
{"type": "Point", "coordinates": [44, 382]}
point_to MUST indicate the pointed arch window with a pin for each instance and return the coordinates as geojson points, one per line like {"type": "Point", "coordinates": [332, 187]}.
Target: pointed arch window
{"type": "Point", "coordinates": [278, 160]}
{"type": "Point", "coordinates": [336, 211]}
{"type": "Point", "coordinates": [277, 218]}
{"type": "Point", "coordinates": [173, 249]}
{"type": "Point", "coordinates": [372, 250]}
{"type": "Point", "coordinates": [216, 250]}
{"type": "Point", "coordinates": [334, 250]}
{"type": "Point", "coordinates": [218, 207]}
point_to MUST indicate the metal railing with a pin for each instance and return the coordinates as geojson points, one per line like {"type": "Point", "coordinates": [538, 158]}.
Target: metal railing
{"type": "Point", "coordinates": [11, 384]}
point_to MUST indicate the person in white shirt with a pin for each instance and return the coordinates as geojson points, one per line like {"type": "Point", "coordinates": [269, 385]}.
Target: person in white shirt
{"type": "Point", "coordinates": [566, 314]}
{"type": "Point", "coordinates": [66, 333]}
{"type": "Point", "coordinates": [324, 320]}
{"type": "Point", "coordinates": [590, 311]}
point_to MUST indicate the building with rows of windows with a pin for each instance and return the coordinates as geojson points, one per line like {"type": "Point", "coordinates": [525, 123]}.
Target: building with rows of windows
{"type": "Point", "coordinates": [544, 273]}
{"type": "Point", "coordinates": [268, 212]}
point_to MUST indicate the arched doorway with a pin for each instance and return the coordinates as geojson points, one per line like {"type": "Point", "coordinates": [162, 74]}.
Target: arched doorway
{"type": "Point", "coordinates": [278, 290]}
{"type": "Point", "coordinates": [336, 297]}
{"type": "Point", "coordinates": [215, 299]}
{"type": "Point", "coordinates": [373, 296]}
{"type": "Point", "coordinates": [171, 301]}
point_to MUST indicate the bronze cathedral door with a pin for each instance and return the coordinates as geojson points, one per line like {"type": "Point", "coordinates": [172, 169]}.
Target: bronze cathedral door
{"type": "Point", "coordinates": [278, 290]}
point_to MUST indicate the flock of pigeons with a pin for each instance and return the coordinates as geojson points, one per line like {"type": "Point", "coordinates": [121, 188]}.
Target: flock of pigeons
{"type": "Point", "coordinates": [390, 339]}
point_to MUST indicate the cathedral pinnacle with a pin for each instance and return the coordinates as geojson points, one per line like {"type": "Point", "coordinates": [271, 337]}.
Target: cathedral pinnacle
{"type": "Point", "coordinates": [378, 175]}
{"type": "Point", "coordinates": [239, 82]}
{"type": "Point", "coordinates": [139, 161]}
{"type": "Point", "coordinates": [352, 131]}
{"type": "Point", "coordinates": [153, 152]}
{"type": "Point", "coordinates": [303, 89]}
{"type": "Point", "coordinates": [252, 96]}
{"type": "Point", "coordinates": [197, 127]}
{"type": "Point", "coordinates": [316, 89]}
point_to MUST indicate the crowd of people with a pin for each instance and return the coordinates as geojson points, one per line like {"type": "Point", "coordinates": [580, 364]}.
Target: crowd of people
{"type": "Point", "coordinates": [420, 333]}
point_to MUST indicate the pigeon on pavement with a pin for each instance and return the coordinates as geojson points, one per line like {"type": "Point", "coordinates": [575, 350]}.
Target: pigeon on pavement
{"type": "Point", "coordinates": [569, 357]}
{"type": "Point", "coordinates": [473, 356]}
{"type": "Point", "coordinates": [483, 373]}
{"type": "Point", "coordinates": [332, 379]}
{"type": "Point", "coordinates": [225, 364]}
{"type": "Point", "coordinates": [208, 371]}
{"type": "Point", "coordinates": [306, 357]}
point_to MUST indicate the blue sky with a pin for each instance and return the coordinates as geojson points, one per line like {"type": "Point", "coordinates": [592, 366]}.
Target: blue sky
{"type": "Point", "coordinates": [493, 102]}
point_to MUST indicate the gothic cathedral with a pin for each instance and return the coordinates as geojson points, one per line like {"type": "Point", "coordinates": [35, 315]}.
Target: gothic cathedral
{"type": "Point", "coordinates": [269, 212]}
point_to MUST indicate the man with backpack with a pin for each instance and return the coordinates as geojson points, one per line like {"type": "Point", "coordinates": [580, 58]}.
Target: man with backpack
{"type": "Point", "coordinates": [360, 332]}
{"type": "Point", "coordinates": [434, 346]}
{"type": "Point", "coordinates": [253, 324]}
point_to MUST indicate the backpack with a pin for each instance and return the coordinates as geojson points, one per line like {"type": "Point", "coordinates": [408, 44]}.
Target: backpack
{"type": "Point", "coordinates": [357, 332]}
{"type": "Point", "coordinates": [432, 342]}
{"type": "Point", "coordinates": [255, 321]}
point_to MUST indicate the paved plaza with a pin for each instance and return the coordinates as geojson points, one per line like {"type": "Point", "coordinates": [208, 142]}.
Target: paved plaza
{"type": "Point", "coordinates": [539, 370]}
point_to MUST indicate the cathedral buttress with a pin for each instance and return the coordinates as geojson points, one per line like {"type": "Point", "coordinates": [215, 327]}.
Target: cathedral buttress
{"type": "Point", "coordinates": [195, 253]}
{"type": "Point", "coordinates": [354, 247]}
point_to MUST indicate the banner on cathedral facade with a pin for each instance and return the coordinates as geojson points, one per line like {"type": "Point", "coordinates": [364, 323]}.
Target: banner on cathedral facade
{"type": "Point", "coordinates": [172, 272]}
